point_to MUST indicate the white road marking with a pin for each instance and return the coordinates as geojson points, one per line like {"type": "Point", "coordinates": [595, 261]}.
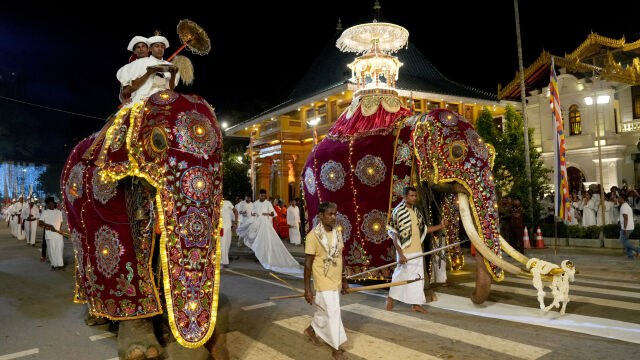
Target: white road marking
{"type": "Point", "coordinates": [102, 336]}
{"type": "Point", "coordinates": [257, 306]}
{"type": "Point", "coordinates": [511, 348]}
{"type": "Point", "coordinates": [609, 283]}
{"type": "Point", "coordinates": [576, 298]}
{"type": "Point", "coordinates": [359, 344]}
{"type": "Point", "coordinates": [244, 347]}
{"type": "Point", "coordinates": [602, 327]}
{"type": "Point", "coordinates": [115, 358]}
{"type": "Point", "coordinates": [20, 354]}
{"type": "Point", "coordinates": [589, 289]}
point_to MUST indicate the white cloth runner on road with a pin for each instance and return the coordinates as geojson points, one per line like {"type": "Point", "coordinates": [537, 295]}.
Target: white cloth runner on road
{"type": "Point", "coordinates": [328, 325]}
{"type": "Point", "coordinates": [412, 293]}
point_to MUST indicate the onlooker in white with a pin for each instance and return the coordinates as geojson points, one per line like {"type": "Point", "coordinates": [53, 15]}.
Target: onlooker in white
{"type": "Point", "coordinates": [589, 207]}
{"type": "Point", "coordinates": [229, 223]}
{"type": "Point", "coordinates": [293, 220]}
{"type": "Point", "coordinates": [51, 221]}
{"type": "Point", "coordinates": [30, 216]}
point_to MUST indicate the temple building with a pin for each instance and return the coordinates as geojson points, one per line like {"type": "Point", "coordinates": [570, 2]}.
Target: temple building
{"type": "Point", "coordinates": [599, 89]}
{"type": "Point", "coordinates": [282, 136]}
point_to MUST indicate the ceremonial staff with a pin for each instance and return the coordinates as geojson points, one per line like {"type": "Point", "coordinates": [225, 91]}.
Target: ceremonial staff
{"type": "Point", "coordinates": [411, 258]}
{"type": "Point", "coordinates": [350, 290]}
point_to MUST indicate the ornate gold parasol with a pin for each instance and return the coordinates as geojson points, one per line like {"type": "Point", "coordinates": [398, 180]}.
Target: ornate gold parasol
{"type": "Point", "coordinates": [193, 37]}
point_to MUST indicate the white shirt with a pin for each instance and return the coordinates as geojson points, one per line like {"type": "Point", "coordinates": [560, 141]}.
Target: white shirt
{"type": "Point", "coordinates": [33, 211]}
{"type": "Point", "coordinates": [227, 214]}
{"type": "Point", "coordinates": [293, 216]}
{"type": "Point", "coordinates": [626, 209]}
{"type": "Point", "coordinates": [244, 209]}
{"type": "Point", "coordinates": [128, 73]}
{"type": "Point", "coordinates": [54, 218]}
{"type": "Point", "coordinates": [260, 207]}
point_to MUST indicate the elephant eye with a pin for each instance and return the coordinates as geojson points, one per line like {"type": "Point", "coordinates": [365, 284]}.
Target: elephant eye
{"type": "Point", "coordinates": [457, 151]}
{"type": "Point", "coordinates": [158, 140]}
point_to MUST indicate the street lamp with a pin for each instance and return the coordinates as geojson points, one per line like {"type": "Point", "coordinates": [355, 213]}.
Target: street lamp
{"type": "Point", "coordinates": [224, 125]}
{"type": "Point", "coordinates": [313, 123]}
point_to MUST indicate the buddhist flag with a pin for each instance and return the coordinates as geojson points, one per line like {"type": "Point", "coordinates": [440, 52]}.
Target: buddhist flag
{"type": "Point", "coordinates": [561, 183]}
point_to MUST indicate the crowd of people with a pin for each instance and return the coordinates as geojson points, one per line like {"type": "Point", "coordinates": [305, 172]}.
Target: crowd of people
{"type": "Point", "coordinates": [586, 209]}
{"type": "Point", "coordinates": [23, 219]}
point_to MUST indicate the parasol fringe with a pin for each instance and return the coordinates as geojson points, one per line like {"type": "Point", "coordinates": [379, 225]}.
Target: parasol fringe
{"type": "Point", "coordinates": [185, 68]}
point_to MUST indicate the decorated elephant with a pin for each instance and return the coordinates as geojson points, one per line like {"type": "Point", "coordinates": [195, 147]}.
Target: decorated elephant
{"type": "Point", "coordinates": [143, 201]}
{"type": "Point", "coordinates": [374, 150]}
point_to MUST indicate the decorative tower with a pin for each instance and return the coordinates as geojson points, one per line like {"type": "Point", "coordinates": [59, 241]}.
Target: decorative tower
{"type": "Point", "coordinates": [376, 71]}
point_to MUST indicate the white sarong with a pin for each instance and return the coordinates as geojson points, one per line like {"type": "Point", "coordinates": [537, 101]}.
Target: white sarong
{"type": "Point", "coordinates": [328, 325]}
{"type": "Point", "coordinates": [411, 293]}
{"type": "Point", "coordinates": [225, 245]}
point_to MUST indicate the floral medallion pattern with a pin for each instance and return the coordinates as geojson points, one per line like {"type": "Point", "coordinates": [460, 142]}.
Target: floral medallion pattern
{"type": "Point", "coordinates": [332, 175]}
{"type": "Point", "coordinates": [403, 153]}
{"type": "Point", "coordinates": [310, 181]}
{"type": "Point", "coordinates": [371, 170]}
{"type": "Point", "coordinates": [103, 189]}
{"type": "Point", "coordinates": [449, 118]}
{"type": "Point", "coordinates": [164, 97]}
{"type": "Point", "coordinates": [373, 226]}
{"type": "Point", "coordinates": [108, 251]}
{"type": "Point", "coordinates": [73, 187]}
{"type": "Point", "coordinates": [195, 134]}
{"type": "Point", "coordinates": [195, 227]}
{"type": "Point", "coordinates": [399, 185]}
{"type": "Point", "coordinates": [480, 149]}
{"type": "Point", "coordinates": [196, 184]}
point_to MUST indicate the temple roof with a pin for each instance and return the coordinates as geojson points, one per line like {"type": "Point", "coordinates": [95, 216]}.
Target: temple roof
{"type": "Point", "coordinates": [614, 59]}
{"type": "Point", "coordinates": [330, 70]}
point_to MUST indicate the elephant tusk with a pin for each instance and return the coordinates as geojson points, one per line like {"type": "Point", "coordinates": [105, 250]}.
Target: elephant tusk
{"type": "Point", "coordinates": [470, 228]}
{"type": "Point", "coordinates": [521, 258]}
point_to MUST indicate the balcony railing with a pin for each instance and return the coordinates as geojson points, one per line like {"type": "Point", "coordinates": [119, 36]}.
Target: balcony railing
{"type": "Point", "coordinates": [631, 126]}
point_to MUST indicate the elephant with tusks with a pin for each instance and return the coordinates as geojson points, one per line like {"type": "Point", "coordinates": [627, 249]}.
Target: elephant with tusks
{"type": "Point", "coordinates": [374, 150]}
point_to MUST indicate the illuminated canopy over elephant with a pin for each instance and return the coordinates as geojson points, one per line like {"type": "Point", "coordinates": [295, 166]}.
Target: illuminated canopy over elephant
{"type": "Point", "coordinates": [376, 148]}
{"type": "Point", "coordinates": [156, 169]}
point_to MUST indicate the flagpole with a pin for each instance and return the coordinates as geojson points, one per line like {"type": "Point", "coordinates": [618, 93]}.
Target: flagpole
{"type": "Point", "coordinates": [523, 96]}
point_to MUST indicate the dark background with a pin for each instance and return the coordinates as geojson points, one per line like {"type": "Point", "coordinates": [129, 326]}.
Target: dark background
{"type": "Point", "coordinates": [66, 57]}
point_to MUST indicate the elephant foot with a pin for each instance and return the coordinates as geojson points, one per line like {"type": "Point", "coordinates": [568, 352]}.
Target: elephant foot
{"type": "Point", "coordinates": [137, 341]}
{"type": "Point", "coordinates": [92, 320]}
{"type": "Point", "coordinates": [483, 282]}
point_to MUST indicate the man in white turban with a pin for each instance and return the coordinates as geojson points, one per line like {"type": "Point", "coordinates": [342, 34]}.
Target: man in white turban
{"type": "Point", "coordinates": [141, 79]}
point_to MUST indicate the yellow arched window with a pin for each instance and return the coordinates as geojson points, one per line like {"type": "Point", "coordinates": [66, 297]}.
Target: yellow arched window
{"type": "Point", "coordinates": [575, 121]}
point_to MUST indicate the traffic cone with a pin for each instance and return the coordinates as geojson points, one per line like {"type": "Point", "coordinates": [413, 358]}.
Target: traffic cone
{"type": "Point", "coordinates": [539, 239]}
{"type": "Point", "coordinates": [525, 239]}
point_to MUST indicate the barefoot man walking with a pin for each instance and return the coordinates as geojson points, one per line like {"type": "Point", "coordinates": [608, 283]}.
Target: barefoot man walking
{"type": "Point", "coordinates": [323, 249]}
{"type": "Point", "coordinates": [407, 229]}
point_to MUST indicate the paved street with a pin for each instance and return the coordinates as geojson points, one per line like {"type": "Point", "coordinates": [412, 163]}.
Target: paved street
{"type": "Point", "coordinates": [40, 321]}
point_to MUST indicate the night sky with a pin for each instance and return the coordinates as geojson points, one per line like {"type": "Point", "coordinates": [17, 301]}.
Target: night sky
{"type": "Point", "coordinates": [68, 60]}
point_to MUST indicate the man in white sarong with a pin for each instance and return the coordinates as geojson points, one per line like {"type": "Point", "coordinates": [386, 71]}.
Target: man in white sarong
{"type": "Point", "coordinates": [293, 220]}
{"type": "Point", "coordinates": [11, 218]}
{"type": "Point", "coordinates": [229, 223]}
{"type": "Point", "coordinates": [323, 259]}
{"type": "Point", "coordinates": [244, 209]}
{"type": "Point", "coordinates": [407, 229]}
{"type": "Point", "coordinates": [141, 80]}
{"type": "Point", "coordinates": [16, 229]}
{"type": "Point", "coordinates": [262, 238]}
{"type": "Point", "coordinates": [51, 221]}
{"type": "Point", "coordinates": [31, 214]}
